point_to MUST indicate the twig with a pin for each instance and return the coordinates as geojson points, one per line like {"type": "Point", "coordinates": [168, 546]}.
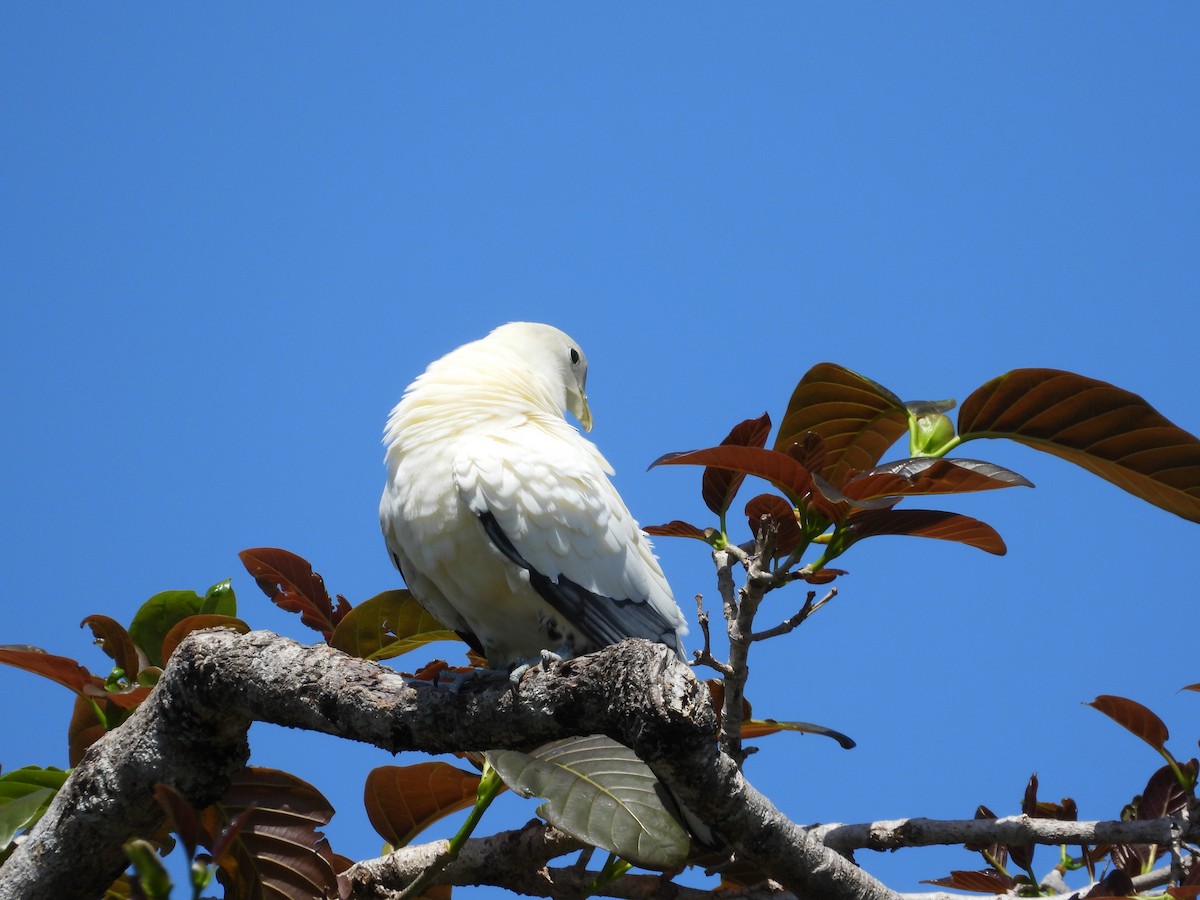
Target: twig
{"type": "Point", "coordinates": [791, 624]}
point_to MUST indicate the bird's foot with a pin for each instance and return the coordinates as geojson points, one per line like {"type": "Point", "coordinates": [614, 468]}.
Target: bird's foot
{"type": "Point", "coordinates": [546, 660]}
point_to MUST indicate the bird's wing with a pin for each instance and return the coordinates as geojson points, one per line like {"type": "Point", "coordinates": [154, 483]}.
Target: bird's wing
{"type": "Point", "coordinates": [542, 495]}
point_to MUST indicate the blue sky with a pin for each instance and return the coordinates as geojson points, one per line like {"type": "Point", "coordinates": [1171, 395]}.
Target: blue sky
{"type": "Point", "coordinates": [232, 234]}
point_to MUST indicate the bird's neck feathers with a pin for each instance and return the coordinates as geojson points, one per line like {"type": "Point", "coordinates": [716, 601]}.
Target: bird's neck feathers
{"type": "Point", "coordinates": [479, 391]}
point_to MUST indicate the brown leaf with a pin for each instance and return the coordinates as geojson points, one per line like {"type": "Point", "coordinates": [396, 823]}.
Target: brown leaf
{"type": "Point", "coordinates": [292, 585]}
{"type": "Point", "coordinates": [184, 627]}
{"type": "Point", "coordinates": [985, 881]}
{"type": "Point", "coordinates": [181, 817]}
{"type": "Point", "coordinates": [1191, 687]}
{"type": "Point", "coordinates": [810, 451]}
{"type": "Point", "coordinates": [779, 513]}
{"type": "Point", "coordinates": [856, 419]}
{"type": "Point", "coordinates": [1163, 795]}
{"type": "Point", "coordinates": [1107, 430]}
{"type": "Point", "coordinates": [678, 528]}
{"type": "Point", "coordinates": [61, 669]}
{"type": "Point", "coordinates": [753, 728]}
{"type": "Point", "coordinates": [402, 801]}
{"type": "Point", "coordinates": [1115, 884]}
{"type": "Point", "coordinates": [1132, 715]}
{"type": "Point", "coordinates": [115, 641]}
{"type": "Point", "coordinates": [927, 523]}
{"type": "Point", "coordinates": [778, 468]}
{"type": "Point", "coordinates": [927, 475]}
{"type": "Point", "coordinates": [85, 728]}
{"type": "Point", "coordinates": [718, 486]}
{"type": "Point", "coordinates": [278, 815]}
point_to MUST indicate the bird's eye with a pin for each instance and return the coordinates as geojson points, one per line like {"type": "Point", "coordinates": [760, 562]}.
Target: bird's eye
{"type": "Point", "coordinates": [574, 356]}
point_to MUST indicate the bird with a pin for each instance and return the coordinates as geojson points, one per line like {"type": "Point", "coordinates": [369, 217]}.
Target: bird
{"type": "Point", "coordinates": [502, 517]}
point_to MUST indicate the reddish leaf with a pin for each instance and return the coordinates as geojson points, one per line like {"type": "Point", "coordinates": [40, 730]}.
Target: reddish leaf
{"type": "Point", "coordinates": [986, 881]}
{"type": "Point", "coordinates": [810, 451]}
{"type": "Point", "coordinates": [821, 576]}
{"type": "Point", "coordinates": [1191, 687]}
{"type": "Point", "coordinates": [927, 523]}
{"type": "Point", "coordinates": [716, 693]}
{"type": "Point", "coordinates": [718, 486]}
{"type": "Point", "coordinates": [85, 727]}
{"type": "Point", "coordinates": [292, 585]}
{"type": "Point", "coordinates": [1132, 715]}
{"type": "Point", "coordinates": [181, 817]}
{"type": "Point", "coordinates": [779, 513]}
{"type": "Point", "coordinates": [402, 801]}
{"type": "Point", "coordinates": [1115, 884]}
{"type": "Point", "coordinates": [856, 419]}
{"type": "Point", "coordinates": [1163, 795]}
{"type": "Point", "coordinates": [754, 728]}
{"type": "Point", "coordinates": [778, 468]}
{"type": "Point", "coordinates": [1108, 431]}
{"type": "Point", "coordinates": [186, 626]}
{"type": "Point", "coordinates": [278, 815]}
{"type": "Point", "coordinates": [115, 641]}
{"type": "Point", "coordinates": [926, 475]}
{"type": "Point", "coordinates": [61, 669]}
{"type": "Point", "coordinates": [677, 528]}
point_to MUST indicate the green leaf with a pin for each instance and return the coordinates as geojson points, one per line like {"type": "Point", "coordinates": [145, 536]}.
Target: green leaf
{"type": "Point", "coordinates": [1108, 431]}
{"type": "Point", "coordinates": [856, 418]}
{"type": "Point", "coordinates": [19, 813]}
{"type": "Point", "coordinates": [25, 794]}
{"type": "Point", "coordinates": [220, 600]}
{"type": "Point", "coordinates": [157, 616]}
{"type": "Point", "coordinates": [151, 873]}
{"type": "Point", "coordinates": [598, 791]}
{"type": "Point", "coordinates": [388, 625]}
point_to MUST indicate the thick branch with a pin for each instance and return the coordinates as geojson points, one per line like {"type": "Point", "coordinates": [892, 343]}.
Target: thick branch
{"type": "Point", "coordinates": [191, 734]}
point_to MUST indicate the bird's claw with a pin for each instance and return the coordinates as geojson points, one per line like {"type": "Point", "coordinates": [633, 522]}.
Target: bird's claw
{"type": "Point", "coordinates": [544, 662]}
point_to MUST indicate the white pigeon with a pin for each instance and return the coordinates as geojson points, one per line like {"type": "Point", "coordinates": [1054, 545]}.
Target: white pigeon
{"type": "Point", "coordinates": [500, 515]}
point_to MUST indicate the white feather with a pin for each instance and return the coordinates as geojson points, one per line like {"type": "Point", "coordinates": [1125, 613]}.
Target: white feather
{"type": "Point", "coordinates": [480, 441]}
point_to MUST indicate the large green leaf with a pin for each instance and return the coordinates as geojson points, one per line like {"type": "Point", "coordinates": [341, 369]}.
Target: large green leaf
{"type": "Point", "coordinates": [856, 418]}
{"type": "Point", "coordinates": [598, 791]}
{"type": "Point", "coordinates": [388, 625]}
{"type": "Point", "coordinates": [157, 616]}
{"type": "Point", "coordinates": [1105, 429]}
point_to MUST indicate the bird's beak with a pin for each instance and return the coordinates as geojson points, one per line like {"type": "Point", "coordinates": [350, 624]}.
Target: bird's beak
{"type": "Point", "coordinates": [580, 410]}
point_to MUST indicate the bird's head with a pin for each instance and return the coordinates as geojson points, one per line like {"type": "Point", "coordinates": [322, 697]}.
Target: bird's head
{"type": "Point", "coordinates": [556, 359]}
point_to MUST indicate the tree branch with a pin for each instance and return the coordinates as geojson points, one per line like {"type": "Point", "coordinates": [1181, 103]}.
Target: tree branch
{"type": "Point", "coordinates": [1011, 830]}
{"type": "Point", "coordinates": [191, 734]}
